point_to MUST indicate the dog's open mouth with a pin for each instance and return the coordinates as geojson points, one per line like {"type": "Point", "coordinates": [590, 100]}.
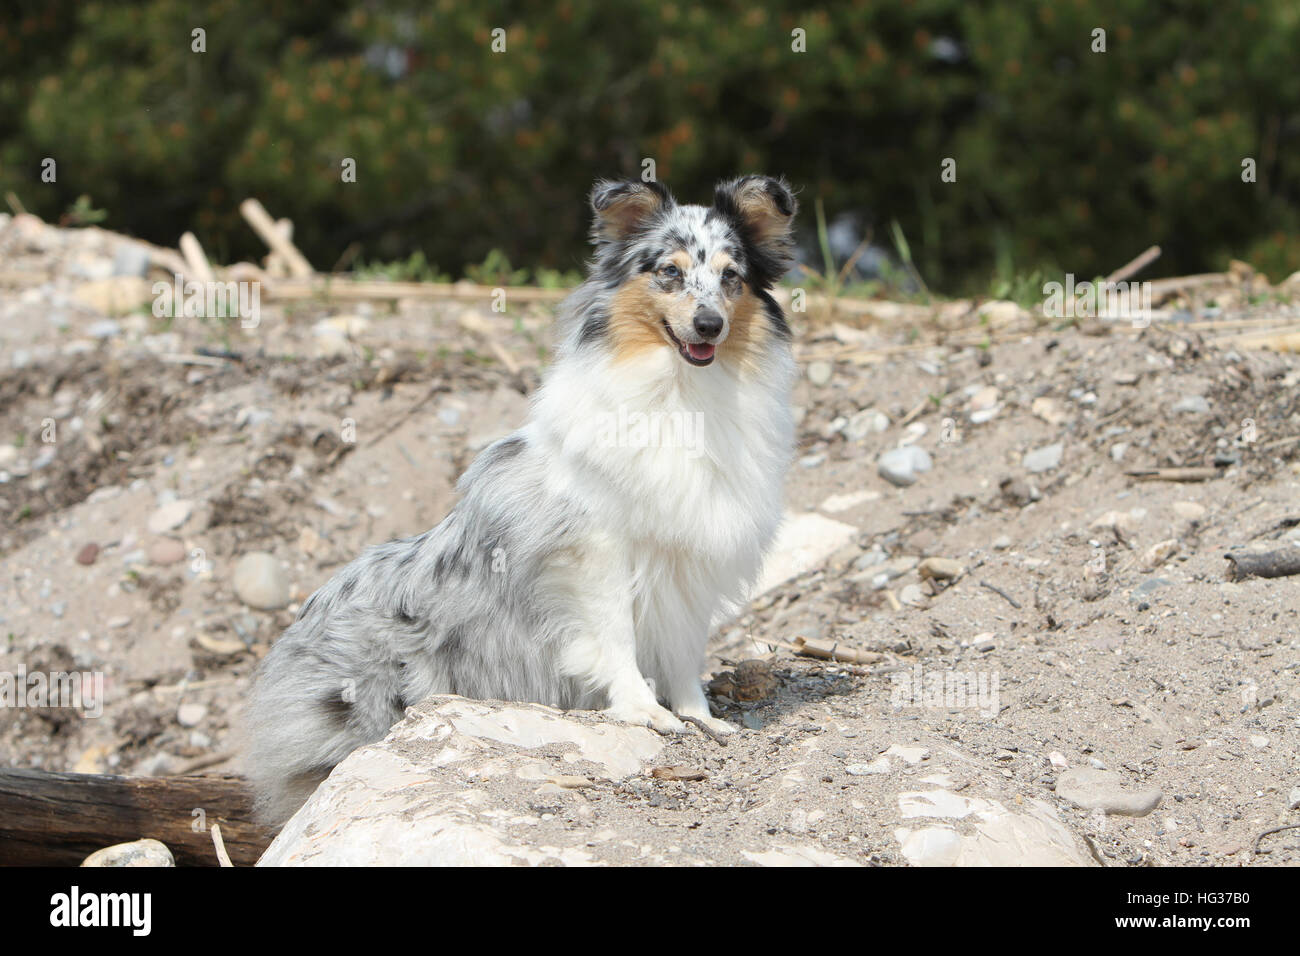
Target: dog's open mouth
{"type": "Point", "coordinates": [697, 353]}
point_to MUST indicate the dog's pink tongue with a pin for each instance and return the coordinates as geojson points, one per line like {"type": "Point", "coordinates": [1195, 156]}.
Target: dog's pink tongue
{"type": "Point", "coordinates": [701, 352]}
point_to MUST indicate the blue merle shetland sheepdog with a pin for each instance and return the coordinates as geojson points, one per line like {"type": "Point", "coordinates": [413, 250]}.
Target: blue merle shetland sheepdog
{"type": "Point", "coordinates": [592, 550]}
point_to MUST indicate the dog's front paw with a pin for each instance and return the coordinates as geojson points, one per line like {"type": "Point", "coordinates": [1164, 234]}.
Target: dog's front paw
{"type": "Point", "coordinates": [653, 716]}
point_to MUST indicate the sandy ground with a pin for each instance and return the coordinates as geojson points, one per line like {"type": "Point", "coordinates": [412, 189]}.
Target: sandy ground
{"type": "Point", "coordinates": [1094, 607]}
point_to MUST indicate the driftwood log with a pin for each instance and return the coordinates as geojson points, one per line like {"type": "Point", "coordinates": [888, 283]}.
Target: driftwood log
{"type": "Point", "coordinates": [58, 819]}
{"type": "Point", "coordinates": [1269, 564]}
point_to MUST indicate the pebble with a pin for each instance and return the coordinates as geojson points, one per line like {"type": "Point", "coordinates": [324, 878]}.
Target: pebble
{"type": "Point", "coordinates": [1159, 553]}
{"type": "Point", "coordinates": [169, 516]}
{"type": "Point", "coordinates": [166, 551]}
{"type": "Point", "coordinates": [1189, 510]}
{"type": "Point", "coordinates": [878, 766]}
{"type": "Point", "coordinates": [191, 715]}
{"type": "Point", "coordinates": [260, 582]}
{"type": "Point", "coordinates": [1001, 542]}
{"type": "Point", "coordinates": [1105, 790]}
{"type": "Point", "coordinates": [138, 853]}
{"type": "Point", "coordinates": [837, 503]}
{"type": "Point", "coordinates": [88, 553]}
{"type": "Point", "coordinates": [1044, 459]}
{"type": "Point", "coordinates": [1293, 799]}
{"type": "Point", "coordinates": [819, 373]}
{"type": "Point", "coordinates": [901, 466]}
{"type": "Point", "coordinates": [1192, 405]}
{"type": "Point", "coordinates": [866, 422]}
{"type": "Point", "coordinates": [912, 595]}
{"type": "Point", "coordinates": [1048, 410]}
{"type": "Point", "coordinates": [943, 569]}
{"type": "Point", "coordinates": [984, 399]}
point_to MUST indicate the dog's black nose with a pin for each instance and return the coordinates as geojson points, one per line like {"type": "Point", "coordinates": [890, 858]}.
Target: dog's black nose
{"type": "Point", "coordinates": [708, 323]}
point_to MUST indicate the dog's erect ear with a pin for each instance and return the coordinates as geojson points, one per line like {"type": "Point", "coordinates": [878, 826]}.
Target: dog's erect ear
{"type": "Point", "coordinates": [763, 209]}
{"type": "Point", "coordinates": [621, 208]}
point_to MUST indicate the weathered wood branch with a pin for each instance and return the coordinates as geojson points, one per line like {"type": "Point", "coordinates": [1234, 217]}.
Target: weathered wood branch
{"type": "Point", "coordinates": [58, 819]}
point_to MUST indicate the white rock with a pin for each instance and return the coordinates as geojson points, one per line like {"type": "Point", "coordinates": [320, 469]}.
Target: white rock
{"type": "Point", "coordinates": [992, 835]}
{"type": "Point", "coordinates": [834, 504]}
{"type": "Point", "coordinates": [819, 373]}
{"type": "Point", "coordinates": [191, 714]}
{"type": "Point", "coordinates": [1105, 790]}
{"type": "Point", "coordinates": [866, 422]}
{"type": "Point", "coordinates": [260, 582]}
{"type": "Point", "coordinates": [1044, 459]}
{"type": "Point", "coordinates": [802, 543]}
{"type": "Point", "coordinates": [902, 466]}
{"type": "Point", "coordinates": [169, 516]}
{"type": "Point", "coordinates": [445, 789]}
{"type": "Point", "coordinates": [137, 853]}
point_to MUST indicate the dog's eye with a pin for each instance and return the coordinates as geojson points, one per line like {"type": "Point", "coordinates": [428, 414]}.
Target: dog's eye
{"type": "Point", "coordinates": [671, 272]}
{"type": "Point", "coordinates": [729, 275]}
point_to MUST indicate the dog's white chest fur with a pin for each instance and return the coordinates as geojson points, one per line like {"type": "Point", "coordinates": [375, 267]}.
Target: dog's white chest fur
{"type": "Point", "coordinates": [680, 470]}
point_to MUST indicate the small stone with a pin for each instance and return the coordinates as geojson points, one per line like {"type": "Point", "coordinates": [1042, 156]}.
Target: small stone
{"type": "Point", "coordinates": [1159, 553]}
{"type": "Point", "coordinates": [166, 551]}
{"type": "Point", "coordinates": [912, 595]}
{"type": "Point", "coordinates": [130, 259]}
{"type": "Point", "coordinates": [88, 553]}
{"type": "Point", "coordinates": [864, 423]}
{"type": "Point", "coordinates": [1192, 405]}
{"type": "Point", "coordinates": [878, 766]}
{"type": "Point", "coordinates": [942, 569]}
{"type": "Point", "coordinates": [984, 399]}
{"type": "Point", "coordinates": [138, 853]}
{"type": "Point", "coordinates": [837, 503]}
{"type": "Point", "coordinates": [191, 715]}
{"type": "Point", "coordinates": [1189, 510]}
{"type": "Point", "coordinates": [1043, 459]}
{"type": "Point", "coordinates": [1105, 790]}
{"type": "Point", "coordinates": [901, 466]}
{"type": "Point", "coordinates": [169, 516]}
{"type": "Point", "coordinates": [260, 582]}
{"type": "Point", "coordinates": [1258, 741]}
{"type": "Point", "coordinates": [309, 542]}
{"type": "Point", "coordinates": [1001, 542]}
{"type": "Point", "coordinates": [819, 373]}
{"type": "Point", "coordinates": [1049, 410]}
{"type": "Point", "coordinates": [1057, 760]}
{"type": "Point", "coordinates": [1293, 799]}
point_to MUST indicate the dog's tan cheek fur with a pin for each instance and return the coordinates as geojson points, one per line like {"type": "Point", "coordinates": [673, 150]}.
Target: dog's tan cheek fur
{"type": "Point", "coordinates": [749, 333]}
{"type": "Point", "coordinates": [636, 314]}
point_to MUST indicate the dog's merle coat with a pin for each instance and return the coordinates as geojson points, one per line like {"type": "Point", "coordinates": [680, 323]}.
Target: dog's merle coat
{"type": "Point", "coordinates": [570, 571]}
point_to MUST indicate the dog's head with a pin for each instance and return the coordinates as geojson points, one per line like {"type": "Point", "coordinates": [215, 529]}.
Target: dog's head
{"type": "Point", "coordinates": [696, 279]}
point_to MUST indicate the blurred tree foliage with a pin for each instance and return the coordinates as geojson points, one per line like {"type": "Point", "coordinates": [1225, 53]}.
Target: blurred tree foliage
{"type": "Point", "coordinates": [1066, 159]}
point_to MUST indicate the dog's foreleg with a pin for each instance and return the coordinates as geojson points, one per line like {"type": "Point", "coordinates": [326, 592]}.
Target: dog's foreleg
{"type": "Point", "coordinates": [602, 652]}
{"type": "Point", "coordinates": [686, 695]}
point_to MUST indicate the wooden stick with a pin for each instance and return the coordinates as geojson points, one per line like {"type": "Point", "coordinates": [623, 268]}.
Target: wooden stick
{"type": "Point", "coordinates": [1135, 266]}
{"type": "Point", "coordinates": [58, 819]}
{"type": "Point", "coordinates": [223, 858]}
{"type": "Point", "coordinates": [832, 651]}
{"type": "Point", "coordinates": [1270, 564]}
{"type": "Point", "coordinates": [346, 288]}
{"type": "Point", "coordinates": [1174, 474]}
{"type": "Point", "coordinates": [196, 262]}
{"type": "Point", "coordinates": [265, 227]}
{"type": "Point", "coordinates": [1001, 593]}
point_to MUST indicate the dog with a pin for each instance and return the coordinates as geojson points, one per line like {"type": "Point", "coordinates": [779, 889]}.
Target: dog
{"type": "Point", "coordinates": [592, 550]}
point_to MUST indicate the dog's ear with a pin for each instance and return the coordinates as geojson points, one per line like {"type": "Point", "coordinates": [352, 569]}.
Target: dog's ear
{"type": "Point", "coordinates": [763, 209]}
{"type": "Point", "coordinates": [622, 208]}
